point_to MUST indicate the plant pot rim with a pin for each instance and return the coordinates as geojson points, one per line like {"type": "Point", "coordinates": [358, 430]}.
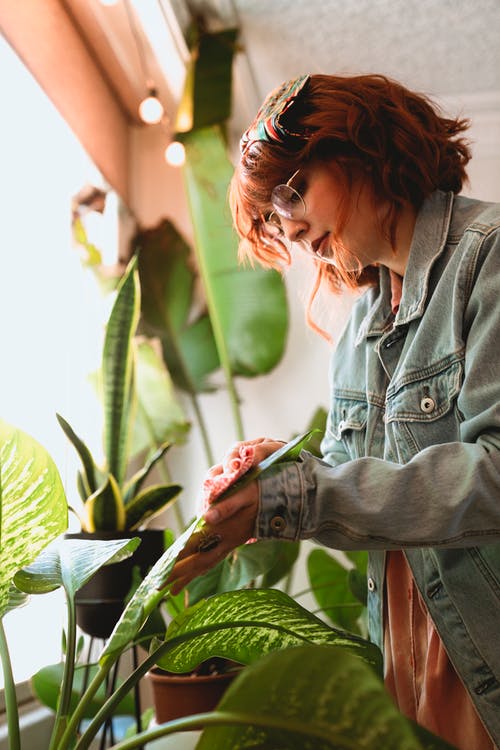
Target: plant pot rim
{"type": "Point", "coordinates": [157, 674]}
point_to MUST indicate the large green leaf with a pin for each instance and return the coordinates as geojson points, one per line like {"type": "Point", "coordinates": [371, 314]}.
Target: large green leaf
{"type": "Point", "coordinates": [118, 371]}
{"type": "Point", "coordinates": [168, 300]}
{"type": "Point", "coordinates": [71, 563]}
{"type": "Point", "coordinates": [271, 559]}
{"type": "Point", "coordinates": [329, 581]}
{"type": "Point", "coordinates": [33, 509]}
{"type": "Point", "coordinates": [246, 624]}
{"type": "Point", "coordinates": [247, 307]}
{"type": "Point", "coordinates": [323, 697]}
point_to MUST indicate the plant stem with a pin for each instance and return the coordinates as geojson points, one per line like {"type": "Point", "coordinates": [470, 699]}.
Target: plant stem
{"type": "Point", "coordinates": [63, 704]}
{"type": "Point", "coordinates": [228, 718]}
{"type": "Point", "coordinates": [10, 693]}
{"type": "Point", "coordinates": [70, 732]}
{"type": "Point", "coordinates": [203, 429]}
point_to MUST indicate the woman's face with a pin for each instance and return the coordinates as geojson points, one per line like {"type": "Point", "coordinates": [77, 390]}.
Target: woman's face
{"type": "Point", "coordinates": [361, 237]}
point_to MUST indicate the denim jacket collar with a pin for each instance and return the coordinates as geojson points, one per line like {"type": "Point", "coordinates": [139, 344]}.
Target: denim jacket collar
{"type": "Point", "coordinates": [429, 239]}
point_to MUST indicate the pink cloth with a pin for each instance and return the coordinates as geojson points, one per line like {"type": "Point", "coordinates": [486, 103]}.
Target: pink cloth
{"type": "Point", "coordinates": [219, 479]}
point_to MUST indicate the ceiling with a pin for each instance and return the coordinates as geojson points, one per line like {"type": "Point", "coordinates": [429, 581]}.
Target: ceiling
{"type": "Point", "coordinates": [445, 48]}
{"type": "Point", "coordinates": [440, 47]}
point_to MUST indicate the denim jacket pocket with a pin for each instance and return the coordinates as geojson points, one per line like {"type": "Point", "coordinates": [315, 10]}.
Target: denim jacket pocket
{"type": "Point", "coordinates": [421, 408]}
{"type": "Point", "coordinates": [348, 425]}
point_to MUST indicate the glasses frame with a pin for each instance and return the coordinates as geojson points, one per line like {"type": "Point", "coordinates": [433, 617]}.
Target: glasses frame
{"type": "Point", "coordinates": [273, 227]}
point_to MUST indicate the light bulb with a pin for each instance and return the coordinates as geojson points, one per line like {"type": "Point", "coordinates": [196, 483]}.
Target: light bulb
{"type": "Point", "coordinates": [151, 109]}
{"type": "Point", "coordinates": [175, 154]}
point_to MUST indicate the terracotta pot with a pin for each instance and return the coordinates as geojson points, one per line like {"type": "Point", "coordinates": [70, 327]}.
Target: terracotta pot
{"type": "Point", "coordinates": [100, 603]}
{"type": "Point", "coordinates": [177, 695]}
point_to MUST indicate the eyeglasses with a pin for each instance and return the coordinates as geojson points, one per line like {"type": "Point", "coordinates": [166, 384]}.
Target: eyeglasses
{"type": "Point", "coordinates": [288, 203]}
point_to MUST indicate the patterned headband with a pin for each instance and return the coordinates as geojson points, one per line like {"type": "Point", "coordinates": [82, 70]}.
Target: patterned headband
{"type": "Point", "coordinates": [270, 123]}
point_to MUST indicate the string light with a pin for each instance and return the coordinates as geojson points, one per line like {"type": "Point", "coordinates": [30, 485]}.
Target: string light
{"type": "Point", "coordinates": [151, 109]}
{"type": "Point", "coordinates": [175, 154]}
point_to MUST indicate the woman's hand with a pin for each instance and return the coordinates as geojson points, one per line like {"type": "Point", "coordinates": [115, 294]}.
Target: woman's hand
{"type": "Point", "coordinates": [229, 523]}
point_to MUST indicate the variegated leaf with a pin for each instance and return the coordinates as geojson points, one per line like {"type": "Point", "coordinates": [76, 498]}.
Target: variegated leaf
{"type": "Point", "coordinates": [71, 563]}
{"type": "Point", "coordinates": [33, 509]}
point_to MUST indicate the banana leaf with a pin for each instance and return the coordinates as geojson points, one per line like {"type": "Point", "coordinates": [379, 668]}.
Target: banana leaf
{"type": "Point", "coordinates": [247, 306]}
{"type": "Point", "coordinates": [33, 509]}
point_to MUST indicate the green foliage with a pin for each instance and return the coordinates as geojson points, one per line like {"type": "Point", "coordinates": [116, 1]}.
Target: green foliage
{"type": "Point", "coordinates": [110, 502]}
{"type": "Point", "coordinates": [245, 625]}
{"type": "Point", "coordinates": [29, 480]}
{"type": "Point", "coordinates": [168, 306]}
{"type": "Point", "coordinates": [339, 590]}
{"type": "Point", "coordinates": [313, 697]}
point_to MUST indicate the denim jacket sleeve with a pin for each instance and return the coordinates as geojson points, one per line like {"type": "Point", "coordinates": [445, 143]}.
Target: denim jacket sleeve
{"type": "Point", "coordinates": [448, 492]}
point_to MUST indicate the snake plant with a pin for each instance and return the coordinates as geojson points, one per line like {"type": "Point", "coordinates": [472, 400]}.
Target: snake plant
{"type": "Point", "coordinates": [111, 501]}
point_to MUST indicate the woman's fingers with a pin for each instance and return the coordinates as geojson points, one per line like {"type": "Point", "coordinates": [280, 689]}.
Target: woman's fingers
{"type": "Point", "coordinates": [221, 511]}
{"type": "Point", "coordinates": [263, 447]}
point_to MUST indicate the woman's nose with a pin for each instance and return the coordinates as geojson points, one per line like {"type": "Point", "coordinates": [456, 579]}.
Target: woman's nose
{"type": "Point", "coordinates": [294, 229]}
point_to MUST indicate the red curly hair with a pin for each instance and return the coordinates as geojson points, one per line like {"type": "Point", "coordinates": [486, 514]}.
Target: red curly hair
{"type": "Point", "coordinates": [366, 122]}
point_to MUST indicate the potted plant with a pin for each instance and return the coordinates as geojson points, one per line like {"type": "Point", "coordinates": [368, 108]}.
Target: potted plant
{"type": "Point", "coordinates": [113, 504]}
{"type": "Point", "coordinates": [315, 684]}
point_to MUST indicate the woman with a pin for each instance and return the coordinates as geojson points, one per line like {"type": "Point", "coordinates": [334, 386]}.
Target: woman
{"type": "Point", "coordinates": [364, 175]}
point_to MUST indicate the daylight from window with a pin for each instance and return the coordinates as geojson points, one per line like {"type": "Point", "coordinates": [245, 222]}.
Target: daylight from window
{"type": "Point", "coordinates": [51, 310]}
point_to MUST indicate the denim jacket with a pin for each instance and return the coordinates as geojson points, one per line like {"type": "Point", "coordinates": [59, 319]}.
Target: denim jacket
{"type": "Point", "coordinates": [412, 445]}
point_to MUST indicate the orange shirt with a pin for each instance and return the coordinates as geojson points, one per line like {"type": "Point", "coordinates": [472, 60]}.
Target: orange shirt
{"type": "Point", "coordinates": [418, 672]}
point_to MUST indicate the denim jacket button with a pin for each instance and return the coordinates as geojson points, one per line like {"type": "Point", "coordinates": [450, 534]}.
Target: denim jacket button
{"type": "Point", "coordinates": [427, 404]}
{"type": "Point", "coordinates": [278, 524]}
{"type": "Point", "coordinates": [371, 584]}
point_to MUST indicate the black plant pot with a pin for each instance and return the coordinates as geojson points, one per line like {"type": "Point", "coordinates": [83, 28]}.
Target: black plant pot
{"type": "Point", "coordinates": [100, 602]}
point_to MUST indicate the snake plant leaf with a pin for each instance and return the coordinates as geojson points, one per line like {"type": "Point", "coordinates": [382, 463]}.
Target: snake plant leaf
{"type": "Point", "coordinates": [327, 699]}
{"type": "Point", "coordinates": [134, 484]}
{"type": "Point", "coordinates": [46, 685]}
{"type": "Point", "coordinates": [89, 468]}
{"type": "Point", "coordinates": [33, 509]}
{"type": "Point", "coordinates": [329, 581]}
{"type": "Point", "coordinates": [247, 624]}
{"type": "Point", "coordinates": [149, 503]}
{"type": "Point", "coordinates": [168, 311]}
{"type": "Point", "coordinates": [104, 509]}
{"type": "Point", "coordinates": [117, 371]}
{"type": "Point", "coordinates": [71, 563]}
{"type": "Point", "coordinates": [159, 416]}
{"type": "Point", "coordinates": [247, 307]}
